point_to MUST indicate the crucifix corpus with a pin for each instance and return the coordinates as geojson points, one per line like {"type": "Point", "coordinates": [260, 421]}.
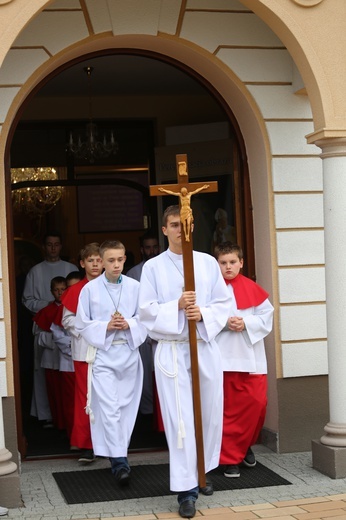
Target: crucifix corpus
{"type": "Point", "coordinates": [184, 190]}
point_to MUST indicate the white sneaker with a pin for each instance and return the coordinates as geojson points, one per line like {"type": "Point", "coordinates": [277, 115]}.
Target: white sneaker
{"type": "Point", "coordinates": [3, 511]}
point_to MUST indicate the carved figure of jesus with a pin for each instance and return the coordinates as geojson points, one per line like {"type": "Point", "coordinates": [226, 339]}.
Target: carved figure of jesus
{"type": "Point", "coordinates": [186, 216]}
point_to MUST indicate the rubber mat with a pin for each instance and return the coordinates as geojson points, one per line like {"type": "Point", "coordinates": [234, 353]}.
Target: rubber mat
{"type": "Point", "coordinates": [52, 442]}
{"type": "Point", "coordinates": [81, 487]}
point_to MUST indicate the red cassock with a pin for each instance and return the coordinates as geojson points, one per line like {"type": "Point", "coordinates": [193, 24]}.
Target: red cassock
{"type": "Point", "coordinates": [68, 391]}
{"type": "Point", "coordinates": [245, 402]}
{"type": "Point", "coordinates": [70, 297]}
{"type": "Point", "coordinates": [55, 397]}
{"type": "Point", "coordinates": [52, 313]}
{"type": "Point", "coordinates": [80, 435]}
{"type": "Point", "coordinates": [245, 394]}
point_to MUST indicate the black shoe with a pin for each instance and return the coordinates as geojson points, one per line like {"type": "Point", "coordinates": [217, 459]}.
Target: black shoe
{"type": "Point", "coordinates": [232, 471]}
{"type": "Point", "coordinates": [47, 425]}
{"type": "Point", "coordinates": [187, 509]}
{"type": "Point", "coordinates": [208, 490]}
{"type": "Point", "coordinates": [87, 456]}
{"type": "Point", "coordinates": [249, 459]}
{"type": "Point", "coordinates": [122, 477]}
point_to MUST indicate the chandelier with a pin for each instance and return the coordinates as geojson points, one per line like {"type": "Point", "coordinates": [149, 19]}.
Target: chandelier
{"type": "Point", "coordinates": [35, 200]}
{"type": "Point", "coordinates": [91, 148]}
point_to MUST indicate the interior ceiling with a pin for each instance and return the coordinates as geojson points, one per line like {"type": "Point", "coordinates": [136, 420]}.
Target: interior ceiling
{"type": "Point", "coordinates": [120, 74]}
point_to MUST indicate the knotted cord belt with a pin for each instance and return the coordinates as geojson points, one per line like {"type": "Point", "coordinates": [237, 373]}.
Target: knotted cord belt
{"type": "Point", "coordinates": [90, 358]}
{"type": "Point", "coordinates": [174, 375]}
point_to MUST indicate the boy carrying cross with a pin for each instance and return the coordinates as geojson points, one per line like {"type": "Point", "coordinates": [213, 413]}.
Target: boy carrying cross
{"type": "Point", "coordinates": [165, 308]}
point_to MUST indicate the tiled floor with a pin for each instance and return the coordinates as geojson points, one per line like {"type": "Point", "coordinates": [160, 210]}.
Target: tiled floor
{"type": "Point", "coordinates": [311, 495]}
{"type": "Point", "coordinates": [300, 509]}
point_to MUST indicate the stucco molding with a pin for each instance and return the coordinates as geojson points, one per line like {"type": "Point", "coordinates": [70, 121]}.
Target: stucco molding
{"type": "Point", "coordinates": [335, 435]}
{"type": "Point", "coordinates": [7, 466]}
{"type": "Point", "coordinates": [326, 138]}
{"type": "Point", "coordinates": [307, 3]}
{"type": "Point", "coordinates": [316, 53]}
{"type": "Point", "coordinates": [335, 147]}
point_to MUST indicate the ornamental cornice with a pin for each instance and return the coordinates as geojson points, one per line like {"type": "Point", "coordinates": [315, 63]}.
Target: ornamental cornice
{"type": "Point", "coordinates": [332, 147]}
{"type": "Point", "coordinates": [326, 134]}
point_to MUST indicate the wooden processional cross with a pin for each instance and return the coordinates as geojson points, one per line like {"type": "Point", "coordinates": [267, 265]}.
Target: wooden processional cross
{"type": "Point", "coordinates": [184, 190]}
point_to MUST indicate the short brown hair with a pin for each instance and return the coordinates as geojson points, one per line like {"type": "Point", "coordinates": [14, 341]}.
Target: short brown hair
{"type": "Point", "coordinates": [110, 244]}
{"type": "Point", "coordinates": [74, 275]}
{"type": "Point", "coordinates": [57, 280]}
{"type": "Point", "coordinates": [171, 210]}
{"type": "Point", "coordinates": [51, 234]}
{"type": "Point", "coordinates": [148, 235]}
{"type": "Point", "coordinates": [224, 248]}
{"type": "Point", "coordinates": [90, 249]}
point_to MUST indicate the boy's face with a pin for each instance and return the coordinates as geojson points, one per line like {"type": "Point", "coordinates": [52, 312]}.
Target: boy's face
{"type": "Point", "coordinates": [173, 230]}
{"type": "Point", "coordinates": [92, 265]}
{"type": "Point", "coordinates": [230, 265]}
{"type": "Point", "coordinates": [57, 291]}
{"type": "Point", "coordinates": [113, 262]}
{"type": "Point", "coordinates": [150, 248]}
{"type": "Point", "coordinates": [52, 248]}
{"type": "Point", "coordinates": [72, 281]}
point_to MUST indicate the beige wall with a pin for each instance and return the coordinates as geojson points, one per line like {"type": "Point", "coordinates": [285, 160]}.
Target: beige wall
{"type": "Point", "coordinates": [318, 54]}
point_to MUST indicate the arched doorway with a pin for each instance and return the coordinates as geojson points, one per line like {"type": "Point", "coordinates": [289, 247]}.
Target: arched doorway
{"type": "Point", "coordinates": [197, 122]}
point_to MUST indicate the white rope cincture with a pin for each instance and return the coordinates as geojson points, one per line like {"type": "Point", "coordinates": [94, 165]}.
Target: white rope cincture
{"type": "Point", "coordinates": [90, 358]}
{"type": "Point", "coordinates": [174, 374]}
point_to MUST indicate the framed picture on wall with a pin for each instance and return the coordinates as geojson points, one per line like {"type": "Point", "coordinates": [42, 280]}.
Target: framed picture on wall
{"type": "Point", "coordinates": [112, 206]}
{"type": "Point", "coordinates": [109, 207]}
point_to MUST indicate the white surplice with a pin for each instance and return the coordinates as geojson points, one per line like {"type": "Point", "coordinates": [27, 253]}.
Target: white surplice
{"type": "Point", "coordinates": [146, 405]}
{"type": "Point", "coordinates": [117, 372]}
{"type": "Point", "coordinates": [161, 287]}
{"type": "Point", "coordinates": [244, 351]}
{"type": "Point", "coordinates": [62, 339]}
{"type": "Point", "coordinates": [79, 346]}
{"type": "Point", "coordinates": [37, 293]}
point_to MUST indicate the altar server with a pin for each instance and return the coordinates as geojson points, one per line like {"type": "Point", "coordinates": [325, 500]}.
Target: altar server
{"type": "Point", "coordinates": [107, 319]}
{"type": "Point", "coordinates": [91, 263]}
{"type": "Point", "coordinates": [244, 361]}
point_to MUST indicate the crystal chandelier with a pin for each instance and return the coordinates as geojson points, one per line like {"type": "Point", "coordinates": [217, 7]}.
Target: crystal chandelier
{"type": "Point", "coordinates": [35, 200]}
{"type": "Point", "coordinates": [91, 147]}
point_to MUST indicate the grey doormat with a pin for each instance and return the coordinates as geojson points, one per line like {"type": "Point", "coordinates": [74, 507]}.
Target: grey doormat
{"type": "Point", "coordinates": [81, 487]}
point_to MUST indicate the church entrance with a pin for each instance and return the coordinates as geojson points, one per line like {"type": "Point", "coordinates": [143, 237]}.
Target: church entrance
{"type": "Point", "coordinates": [151, 110]}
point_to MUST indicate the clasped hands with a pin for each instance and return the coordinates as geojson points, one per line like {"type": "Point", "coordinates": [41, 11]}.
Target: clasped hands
{"type": "Point", "coordinates": [236, 324]}
{"type": "Point", "coordinates": [117, 322]}
{"type": "Point", "coordinates": [187, 303]}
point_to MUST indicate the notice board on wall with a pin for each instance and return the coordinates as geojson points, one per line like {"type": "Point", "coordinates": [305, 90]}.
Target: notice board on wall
{"type": "Point", "coordinates": [109, 207]}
